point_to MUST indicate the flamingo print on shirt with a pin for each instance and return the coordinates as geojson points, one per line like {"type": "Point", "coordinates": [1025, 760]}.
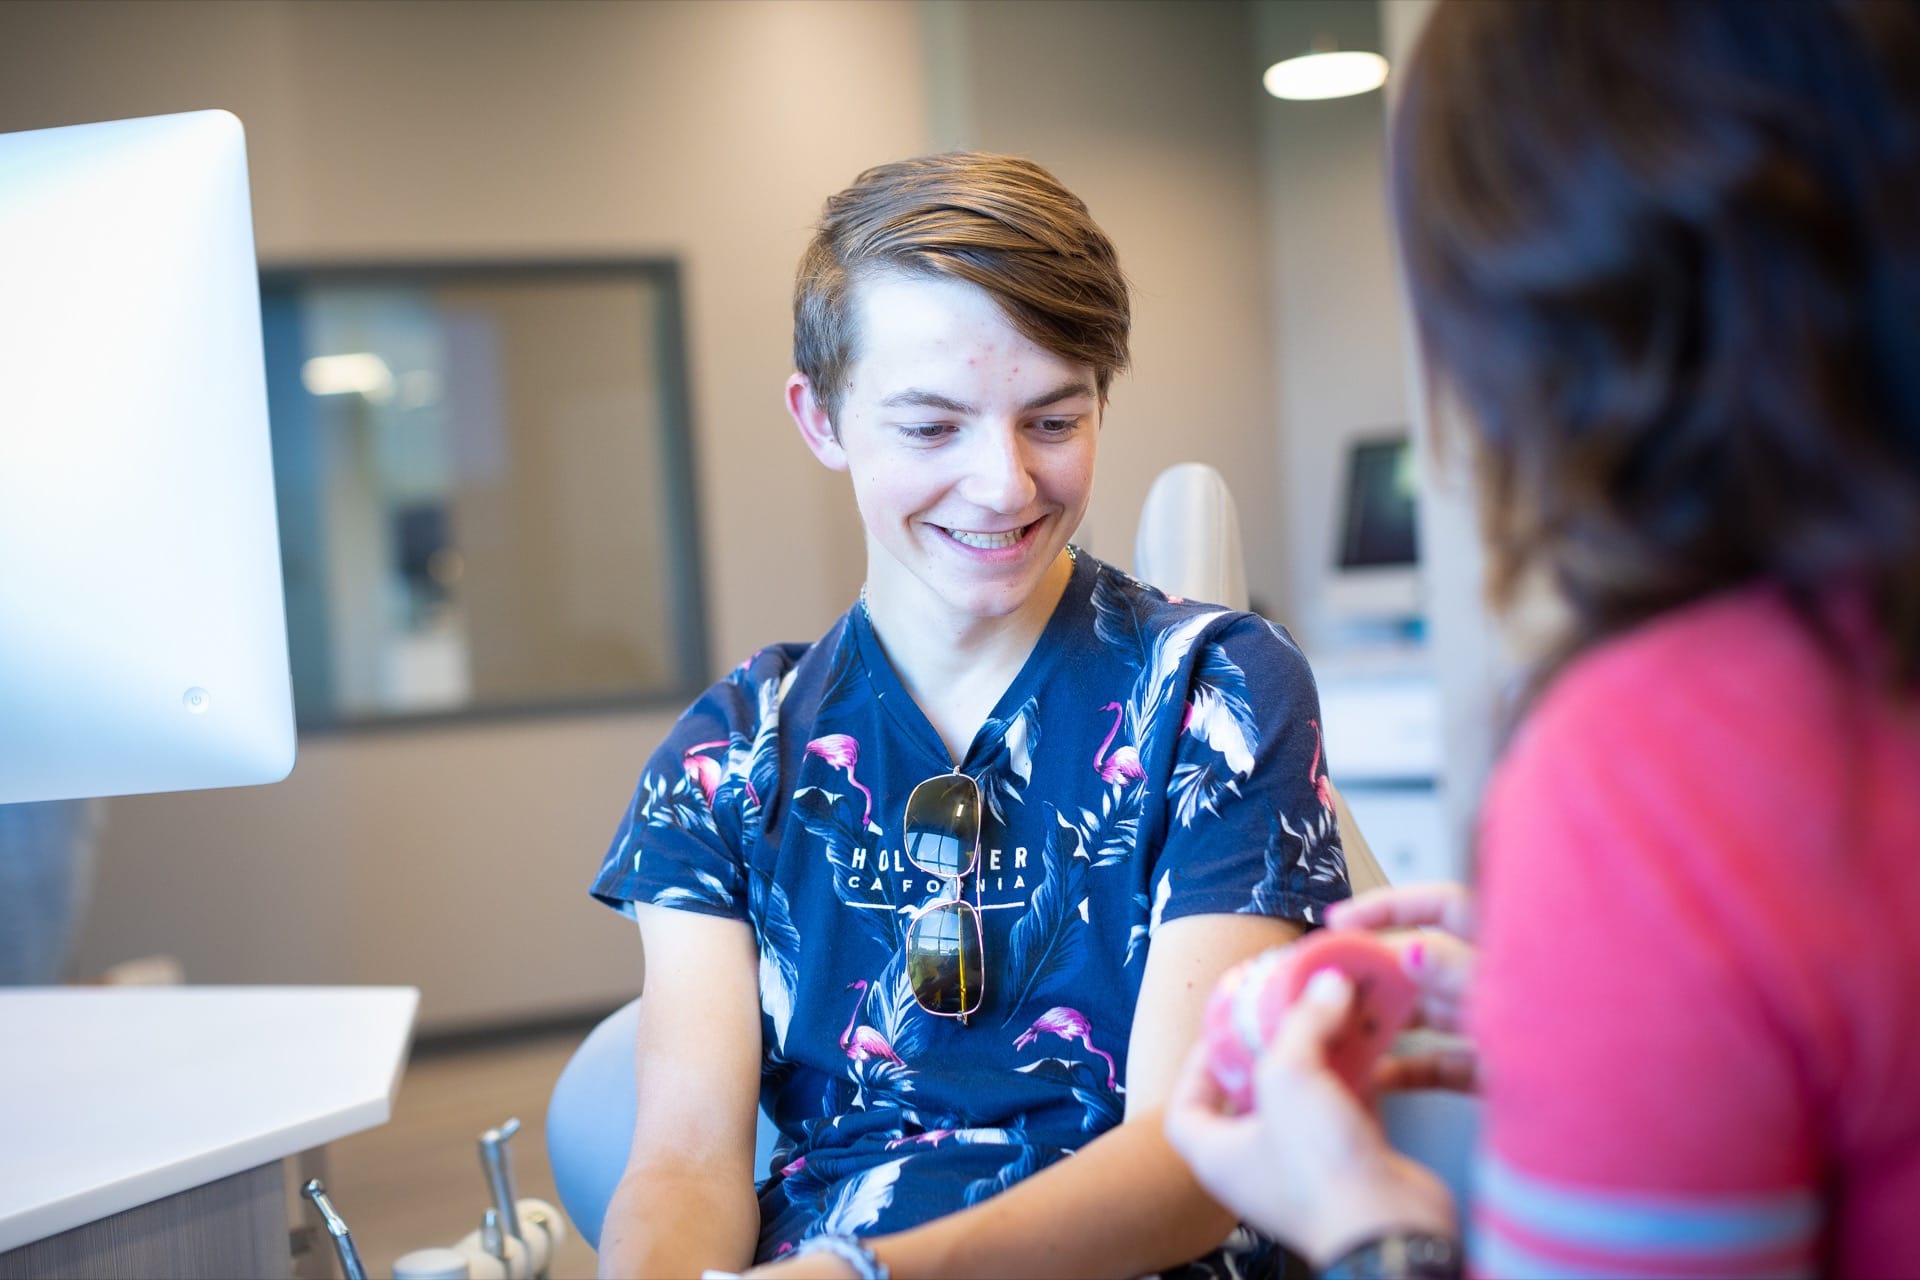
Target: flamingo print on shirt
{"type": "Point", "coordinates": [863, 1042]}
{"type": "Point", "coordinates": [1068, 1024]}
{"type": "Point", "coordinates": [702, 768]}
{"type": "Point", "coordinates": [1124, 764]}
{"type": "Point", "coordinates": [1322, 785]}
{"type": "Point", "coordinates": [842, 752]}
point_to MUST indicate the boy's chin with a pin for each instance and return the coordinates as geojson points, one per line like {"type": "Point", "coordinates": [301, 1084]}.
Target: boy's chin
{"type": "Point", "coordinates": [990, 604]}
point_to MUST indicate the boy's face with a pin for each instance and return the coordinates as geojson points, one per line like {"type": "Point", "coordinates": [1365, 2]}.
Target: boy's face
{"type": "Point", "coordinates": [970, 449]}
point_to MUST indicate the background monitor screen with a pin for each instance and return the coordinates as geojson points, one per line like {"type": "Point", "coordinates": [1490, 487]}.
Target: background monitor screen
{"type": "Point", "coordinates": [1375, 576]}
{"type": "Point", "coordinates": [142, 632]}
{"type": "Point", "coordinates": [1378, 516]}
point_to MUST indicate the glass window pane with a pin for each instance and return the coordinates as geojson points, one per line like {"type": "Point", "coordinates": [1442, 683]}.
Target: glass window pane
{"type": "Point", "coordinates": [485, 489]}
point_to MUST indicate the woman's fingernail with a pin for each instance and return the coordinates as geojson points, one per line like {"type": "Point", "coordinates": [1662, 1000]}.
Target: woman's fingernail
{"type": "Point", "coordinates": [1328, 986]}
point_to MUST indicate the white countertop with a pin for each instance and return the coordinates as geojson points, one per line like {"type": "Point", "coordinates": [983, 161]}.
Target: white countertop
{"type": "Point", "coordinates": [111, 1097]}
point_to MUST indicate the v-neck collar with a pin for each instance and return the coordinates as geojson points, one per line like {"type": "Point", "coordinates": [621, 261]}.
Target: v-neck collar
{"type": "Point", "coordinates": [1048, 651]}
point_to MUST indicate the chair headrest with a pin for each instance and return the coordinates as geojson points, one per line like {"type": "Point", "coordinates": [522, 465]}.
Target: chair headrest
{"type": "Point", "coordinates": [1189, 539]}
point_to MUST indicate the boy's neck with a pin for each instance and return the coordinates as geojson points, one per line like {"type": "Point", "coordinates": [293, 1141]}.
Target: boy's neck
{"type": "Point", "coordinates": [957, 670]}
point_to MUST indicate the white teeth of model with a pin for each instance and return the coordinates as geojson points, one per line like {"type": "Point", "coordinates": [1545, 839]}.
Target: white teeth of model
{"type": "Point", "coordinates": [986, 541]}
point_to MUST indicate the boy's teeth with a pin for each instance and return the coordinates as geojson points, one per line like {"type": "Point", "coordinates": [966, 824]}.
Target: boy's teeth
{"type": "Point", "coordinates": [986, 541]}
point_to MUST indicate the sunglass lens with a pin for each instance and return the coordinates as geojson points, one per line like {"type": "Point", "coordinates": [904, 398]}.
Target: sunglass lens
{"type": "Point", "coordinates": [943, 824]}
{"type": "Point", "coordinates": [943, 958]}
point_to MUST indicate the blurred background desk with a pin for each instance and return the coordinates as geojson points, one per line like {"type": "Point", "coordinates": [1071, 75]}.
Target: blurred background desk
{"type": "Point", "coordinates": [143, 1131]}
{"type": "Point", "coordinates": [1383, 741]}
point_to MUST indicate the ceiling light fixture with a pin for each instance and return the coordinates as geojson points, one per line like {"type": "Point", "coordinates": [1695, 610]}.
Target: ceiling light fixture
{"type": "Point", "coordinates": [1325, 74]}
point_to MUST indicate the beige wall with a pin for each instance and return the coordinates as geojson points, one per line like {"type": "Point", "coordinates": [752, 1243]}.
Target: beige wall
{"type": "Point", "coordinates": [1151, 112]}
{"type": "Point", "coordinates": [456, 859]}
{"type": "Point", "coordinates": [1338, 361]}
{"type": "Point", "coordinates": [1476, 673]}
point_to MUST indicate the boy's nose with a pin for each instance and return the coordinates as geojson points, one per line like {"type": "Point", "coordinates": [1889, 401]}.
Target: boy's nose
{"type": "Point", "coordinates": [998, 476]}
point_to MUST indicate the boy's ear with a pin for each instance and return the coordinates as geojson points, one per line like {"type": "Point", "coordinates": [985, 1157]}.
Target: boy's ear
{"type": "Point", "coordinates": [815, 427]}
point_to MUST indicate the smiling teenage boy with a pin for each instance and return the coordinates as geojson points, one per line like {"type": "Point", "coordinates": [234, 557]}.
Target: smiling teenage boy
{"type": "Point", "coordinates": [946, 889]}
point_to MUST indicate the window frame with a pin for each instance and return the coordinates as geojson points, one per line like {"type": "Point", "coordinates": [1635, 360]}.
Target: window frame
{"type": "Point", "coordinates": [684, 572]}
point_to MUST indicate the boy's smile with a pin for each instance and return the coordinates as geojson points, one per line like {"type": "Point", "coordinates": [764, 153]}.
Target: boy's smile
{"type": "Point", "coordinates": [970, 448]}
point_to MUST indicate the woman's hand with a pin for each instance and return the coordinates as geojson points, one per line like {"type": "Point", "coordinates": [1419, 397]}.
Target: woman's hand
{"type": "Point", "coordinates": [1309, 1165]}
{"type": "Point", "coordinates": [1431, 926]}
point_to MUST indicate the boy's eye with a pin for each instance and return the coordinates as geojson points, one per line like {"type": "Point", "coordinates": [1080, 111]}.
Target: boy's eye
{"type": "Point", "coordinates": [1057, 426]}
{"type": "Point", "coordinates": [927, 431]}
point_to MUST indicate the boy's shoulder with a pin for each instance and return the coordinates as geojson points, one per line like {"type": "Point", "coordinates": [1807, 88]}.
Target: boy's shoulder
{"type": "Point", "coordinates": [1128, 610]}
{"type": "Point", "coordinates": [757, 686]}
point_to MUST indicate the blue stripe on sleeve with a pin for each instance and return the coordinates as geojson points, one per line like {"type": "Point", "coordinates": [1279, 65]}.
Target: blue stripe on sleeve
{"type": "Point", "coordinates": [1494, 1255]}
{"type": "Point", "coordinates": [1671, 1224]}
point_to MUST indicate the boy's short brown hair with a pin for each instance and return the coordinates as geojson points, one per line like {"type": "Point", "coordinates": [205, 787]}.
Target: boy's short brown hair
{"type": "Point", "coordinates": [999, 222]}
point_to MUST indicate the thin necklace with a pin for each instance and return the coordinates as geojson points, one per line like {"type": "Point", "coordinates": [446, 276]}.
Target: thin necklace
{"type": "Point", "coordinates": [1073, 557]}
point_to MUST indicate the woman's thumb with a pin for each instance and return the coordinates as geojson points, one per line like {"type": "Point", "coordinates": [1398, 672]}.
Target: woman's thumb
{"type": "Point", "coordinates": [1315, 1018]}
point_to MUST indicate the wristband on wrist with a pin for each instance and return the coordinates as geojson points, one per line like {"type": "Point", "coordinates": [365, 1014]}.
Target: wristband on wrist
{"type": "Point", "coordinates": [1398, 1255]}
{"type": "Point", "coordinates": [866, 1266]}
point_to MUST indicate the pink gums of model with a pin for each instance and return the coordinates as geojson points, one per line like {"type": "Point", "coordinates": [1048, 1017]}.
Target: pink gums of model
{"type": "Point", "coordinates": [1247, 1006]}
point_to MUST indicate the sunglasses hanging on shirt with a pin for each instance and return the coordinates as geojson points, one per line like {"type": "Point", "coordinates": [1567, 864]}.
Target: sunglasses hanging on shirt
{"type": "Point", "coordinates": [945, 965]}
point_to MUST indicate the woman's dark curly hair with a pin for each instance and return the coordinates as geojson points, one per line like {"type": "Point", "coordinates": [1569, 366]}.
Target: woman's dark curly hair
{"type": "Point", "coordinates": [1667, 256]}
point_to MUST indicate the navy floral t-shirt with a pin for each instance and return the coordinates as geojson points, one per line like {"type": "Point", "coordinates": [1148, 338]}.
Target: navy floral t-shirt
{"type": "Point", "coordinates": [1154, 759]}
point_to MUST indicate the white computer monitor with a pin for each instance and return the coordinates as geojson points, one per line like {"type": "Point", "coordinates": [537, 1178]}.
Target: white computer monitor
{"type": "Point", "coordinates": [142, 631]}
{"type": "Point", "coordinates": [1375, 577]}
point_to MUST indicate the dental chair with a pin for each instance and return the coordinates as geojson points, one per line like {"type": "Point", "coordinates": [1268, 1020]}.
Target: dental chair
{"type": "Point", "coordinates": [1188, 545]}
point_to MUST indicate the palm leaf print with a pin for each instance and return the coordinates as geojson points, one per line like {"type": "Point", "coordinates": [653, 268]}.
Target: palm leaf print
{"type": "Point", "coordinates": [1221, 710]}
{"type": "Point", "coordinates": [1013, 742]}
{"type": "Point", "coordinates": [1326, 859]}
{"type": "Point", "coordinates": [1281, 634]}
{"type": "Point", "coordinates": [860, 1201]}
{"type": "Point", "coordinates": [1219, 741]}
{"type": "Point", "coordinates": [1154, 688]}
{"type": "Point", "coordinates": [1137, 936]}
{"type": "Point", "coordinates": [779, 950]}
{"type": "Point", "coordinates": [825, 815]}
{"type": "Point", "coordinates": [952, 1129]}
{"type": "Point", "coordinates": [1103, 1106]}
{"type": "Point", "coordinates": [733, 793]}
{"type": "Point", "coordinates": [828, 817]}
{"type": "Point", "coordinates": [878, 1082]}
{"type": "Point", "coordinates": [846, 676]}
{"type": "Point", "coordinates": [1196, 789]}
{"type": "Point", "coordinates": [1116, 617]}
{"type": "Point", "coordinates": [1021, 1166]}
{"type": "Point", "coordinates": [1295, 861]}
{"type": "Point", "coordinates": [712, 891]}
{"type": "Point", "coordinates": [1160, 897]}
{"type": "Point", "coordinates": [805, 1186]}
{"type": "Point", "coordinates": [674, 803]}
{"type": "Point", "coordinates": [894, 1012]}
{"type": "Point", "coordinates": [763, 762]}
{"type": "Point", "coordinates": [1049, 943]}
{"type": "Point", "coordinates": [1111, 835]}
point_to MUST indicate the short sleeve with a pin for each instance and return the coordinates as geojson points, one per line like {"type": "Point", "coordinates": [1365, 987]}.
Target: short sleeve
{"type": "Point", "coordinates": [1249, 824]}
{"type": "Point", "coordinates": [683, 840]}
{"type": "Point", "coordinates": [1644, 1114]}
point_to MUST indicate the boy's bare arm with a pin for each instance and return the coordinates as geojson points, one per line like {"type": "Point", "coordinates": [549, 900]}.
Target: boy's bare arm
{"type": "Point", "coordinates": [686, 1201]}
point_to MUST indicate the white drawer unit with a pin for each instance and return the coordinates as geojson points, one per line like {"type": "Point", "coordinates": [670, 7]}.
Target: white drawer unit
{"type": "Point", "coordinates": [1381, 723]}
{"type": "Point", "coordinates": [1405, 828]}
